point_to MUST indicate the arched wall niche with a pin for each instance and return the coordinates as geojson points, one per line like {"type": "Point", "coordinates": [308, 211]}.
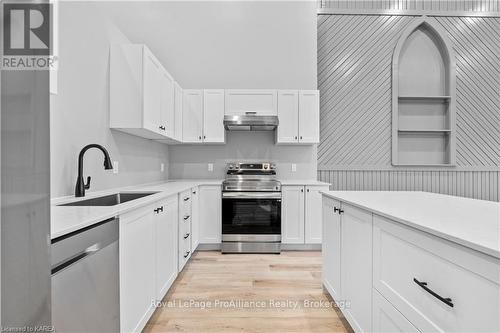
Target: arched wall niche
{"type": "Point", "coordinates": [423, 96]}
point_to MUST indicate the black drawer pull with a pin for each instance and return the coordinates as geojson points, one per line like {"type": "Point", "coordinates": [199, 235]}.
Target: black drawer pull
{"type": "Point", "coordinates": [187, 254]}
{"type": "Point", "coordinates": [159, 209]}
{"type": "Point", "coordinates": [186, 236]}
{"type": "Point", "coordinates": [186, 198]}
{"type": "Point", "coordinates": [186, 217]}
{"type": "Point", "coordinates": [423, 285]}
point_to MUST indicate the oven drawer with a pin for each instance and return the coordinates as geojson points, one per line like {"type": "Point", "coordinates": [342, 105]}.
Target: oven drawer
{"type": "Point", "coordinates": [250, 247]}
{"type": "Point", "coordinates": [409, 266]}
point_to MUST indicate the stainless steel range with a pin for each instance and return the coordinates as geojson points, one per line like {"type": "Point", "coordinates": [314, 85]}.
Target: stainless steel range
{"type": "Point", "coordinates": [251, 209]}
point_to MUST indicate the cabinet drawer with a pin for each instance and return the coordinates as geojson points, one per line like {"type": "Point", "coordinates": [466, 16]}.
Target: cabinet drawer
{"type": "Point", "coordinates": [185, 224]}
{"type": "Point", "coordinates": [387, 319]}
{"type": "Point", "coordinates": [404, 257]}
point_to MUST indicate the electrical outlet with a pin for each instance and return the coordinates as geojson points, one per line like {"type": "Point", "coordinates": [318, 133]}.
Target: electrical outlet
{"type": "Point", "coordinates": [162, 167]}
{"type": "Point", "coordinates": [210, 167]}
{"type": "Point", "coordinates": [294, 167]}
{"type": "Point", "coordinates": [115, 167]}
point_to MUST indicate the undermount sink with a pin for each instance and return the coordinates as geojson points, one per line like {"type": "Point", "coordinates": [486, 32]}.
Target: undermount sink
{"type": "Point", "coordinates": [110, 200]}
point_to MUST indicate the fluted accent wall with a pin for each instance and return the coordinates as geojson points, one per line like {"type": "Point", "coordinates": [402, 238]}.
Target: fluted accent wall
{"type": "Point", "coordinates": [354, 78]}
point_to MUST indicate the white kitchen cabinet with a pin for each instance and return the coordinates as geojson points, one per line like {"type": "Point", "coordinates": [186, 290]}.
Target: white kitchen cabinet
{"type": "Point", "coordinates": [195, 218]}
{"type": "Point", "coordinates": [141, 93]}
{"type": "Point", "coordinates": [178, 99]}
{"type": "Point", "coordinates": [312, 213]}
{"type": "Point", "coordinates": [184, 235]}
{"type": "Point", "coordinates": [192, 116]}
{"type": "Point", "coordinates": [165, 220]}
{"type": "Point", "coordinates": [137, 268]}
{"type": "Point", "coordinates": [331, 247]}
{"type": "Point", "coordinates": [210, 214]}
{"type": "Point", "coordinates": [288, 115]}
{"type": "Point", "coordinates": [152, 93]}
{"type": "Point", "coordinates": [261, 102]}
{"type": "Point", "coordinates": [167, 105]}
{"type": "Point", "coordinates": [292, 214]}
{"type": "Point", "coordinates": [203, 116]}
{"type": "Point", "coordinates": [301, 214]}
{"type": "Point", "coordinates": [356, 266]}
{"type": "Point", "coordinates": [298, 112]}
{"type": "Point", "coordinates": [213, 116]}
{"type": "Point", "coordinates": [309, 116]}
{"type": "Point", "coordinates": [410, 265]}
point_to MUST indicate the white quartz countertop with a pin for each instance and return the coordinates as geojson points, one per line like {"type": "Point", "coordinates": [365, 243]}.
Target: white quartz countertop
{"type": "Point", "coordinates": [468, 222]}
{"type": "Point", "coordinates": [66, 219]}
{"type": "Point", "coordinates": [306, 182]}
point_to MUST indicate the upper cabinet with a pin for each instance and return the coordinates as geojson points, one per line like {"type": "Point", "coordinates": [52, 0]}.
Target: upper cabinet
{"type": "Point", "coordinates": [178, 99]}
{"type": "Point", "coordinates": [423, 99]}
{"type": "Point", "coordinates": [203, 115]}
{"type": "Point", "coordinates": [298, 112]}
{"type": "Point", "coordinates": [259, 102]}
{"type": "Point", "coordinates": [141, 93]}
{"type": "Point", "coordinates": [213, 116]}
{"type": "Point", "coordinates": [146, 101]}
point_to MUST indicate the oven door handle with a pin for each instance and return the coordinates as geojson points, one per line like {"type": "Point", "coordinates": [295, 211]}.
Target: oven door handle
{"type": "Point", "coordinates": [251, 195]}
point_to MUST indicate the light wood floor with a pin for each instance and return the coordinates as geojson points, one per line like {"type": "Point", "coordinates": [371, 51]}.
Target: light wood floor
{"type": "Point", "coordinates": [289, 279]}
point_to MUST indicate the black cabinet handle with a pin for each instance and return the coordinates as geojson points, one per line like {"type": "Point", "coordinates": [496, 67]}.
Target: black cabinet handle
{"type": "Point", "coordinates": [204, 137]}
{"type": "Point", "coordinates": [186, 217]}
{"type": "Point", "coordinates": [338, 210]}
{"type": "Point", "coordinates": [187, 254]}
{"type": "Point", "coordinates": [194, 192]}
{"type": "Point", "coordinates": [423, 285]}
{"type": "Point", "coordinates": [162, 128]}
{"type": "Point", "coordinates": [199, 138]}
{"type": "Point", "coordinates": [296, 138]}
{"type": "Point", "coordinates": [159, 209]}
{"type": "Point", "coordinates": [186, 236]}
{"type": "Point", "coordinates": [186, 198]}
{"type": "Point", "coordinates": [301, 190]}
{"type": "Point", "coordinates": [307, 190]}
{"type": "Point", "coordinates": [301, 137]}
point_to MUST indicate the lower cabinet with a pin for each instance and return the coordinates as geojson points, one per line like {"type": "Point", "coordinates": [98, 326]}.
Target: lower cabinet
{"type": "Point", "coordinates": [166, 245]}
{"type": "Point", "coordinates": [301, 214]}
{"type": "Point", "coordinates": [137, 268]}
{"type": "Point", "coordinates": [210, 214]}
{"type": "Point", "coordinates": [331, 247]}
{"type": "Point", "coordinates": [435, 284]}
{"type": "Point", "coordinates": [184, 234]}
{"type": "Point", "coordinates": [195, 218]}
{"type": "Point", "coordinates": [356, 266]}
{"type": "Point", "coordinates": [393, 278]}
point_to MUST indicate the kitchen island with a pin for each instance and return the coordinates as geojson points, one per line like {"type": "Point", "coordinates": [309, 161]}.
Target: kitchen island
{"type": "Point", "coordinates": [412, 261]}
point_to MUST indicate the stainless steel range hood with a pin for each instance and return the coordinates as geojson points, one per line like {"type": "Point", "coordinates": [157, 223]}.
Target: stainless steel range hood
{"type": "Point", "coordinates": [250, 123]}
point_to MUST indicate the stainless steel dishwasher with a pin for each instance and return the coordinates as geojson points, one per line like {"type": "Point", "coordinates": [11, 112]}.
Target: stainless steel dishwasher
{"type": "Point", "coordinates": [85, 280]}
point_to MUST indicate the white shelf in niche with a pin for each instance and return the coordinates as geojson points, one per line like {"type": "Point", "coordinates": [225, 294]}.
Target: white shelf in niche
{"type": "Point", "coordinates": [408, 130]}
{"type": "Point", "coordinates": [425, 98]}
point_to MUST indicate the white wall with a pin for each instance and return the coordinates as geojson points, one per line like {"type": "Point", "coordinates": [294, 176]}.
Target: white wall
{"type": "Point", "coordinates": [80, 113]}
{"type": "Point", "coordinates": [192, 161]}
{"type": "Point", "coordinates": [227, 44]}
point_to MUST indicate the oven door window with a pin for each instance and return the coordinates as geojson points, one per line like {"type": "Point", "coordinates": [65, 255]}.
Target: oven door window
{"type": "Point", "coordinates": [251, 216]}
